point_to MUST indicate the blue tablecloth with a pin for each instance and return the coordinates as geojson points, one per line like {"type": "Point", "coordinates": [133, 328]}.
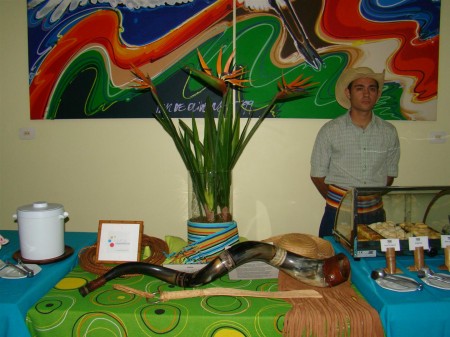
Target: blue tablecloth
{"type": "Point", "coordinates": [403, 314]}
{"type": "Point", "coordinates": [18, 295]}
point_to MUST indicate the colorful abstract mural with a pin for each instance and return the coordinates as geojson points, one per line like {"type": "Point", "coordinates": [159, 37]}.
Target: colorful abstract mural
{"type": "Point", "coordinates": [81, 53]}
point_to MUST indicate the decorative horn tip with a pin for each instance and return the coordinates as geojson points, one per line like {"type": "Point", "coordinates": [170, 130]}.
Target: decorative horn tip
{"type": "Point", "coordinates": [92, 285]}
{"type": "Point", "coordinates": [84, 290]}
{"type": "Point", "coordinates": [336, 269]}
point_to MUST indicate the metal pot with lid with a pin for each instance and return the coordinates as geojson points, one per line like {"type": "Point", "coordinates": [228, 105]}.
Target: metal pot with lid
{"type": "Point", "coordinates": [41, 230]}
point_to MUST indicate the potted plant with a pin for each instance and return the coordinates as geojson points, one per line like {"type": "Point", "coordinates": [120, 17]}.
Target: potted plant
{"type": "Point", "coordinates": [210, 158]}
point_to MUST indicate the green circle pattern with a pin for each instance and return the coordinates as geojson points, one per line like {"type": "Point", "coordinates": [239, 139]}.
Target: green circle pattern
{"type": "Point", "coordinates": [107, 312]}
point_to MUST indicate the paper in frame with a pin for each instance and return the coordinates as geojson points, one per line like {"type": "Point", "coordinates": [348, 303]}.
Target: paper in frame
{"type": "Point", "coordinates": [119, 241]}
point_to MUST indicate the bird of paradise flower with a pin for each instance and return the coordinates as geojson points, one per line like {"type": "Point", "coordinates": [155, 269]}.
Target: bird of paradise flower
{"type": "Point", "coordinates": [223, 141]}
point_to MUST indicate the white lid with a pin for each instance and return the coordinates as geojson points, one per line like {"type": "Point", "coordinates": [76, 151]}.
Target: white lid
{"type": "Point", "coordinates": [40, 209]}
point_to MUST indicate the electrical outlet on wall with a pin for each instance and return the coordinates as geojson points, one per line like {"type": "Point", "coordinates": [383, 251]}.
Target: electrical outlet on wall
{"type": "Point", "coordinates": [27, 133]}
{"type": "Point", "coordinates": [438, 137]}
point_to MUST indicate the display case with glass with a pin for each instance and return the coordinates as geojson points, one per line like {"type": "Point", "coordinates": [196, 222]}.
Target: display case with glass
{"type": "Point", "coordinates": [367, 215]}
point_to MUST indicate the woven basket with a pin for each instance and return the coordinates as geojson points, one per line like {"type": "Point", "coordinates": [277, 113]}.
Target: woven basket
{"type": "Point", "coordinates": [158, 248]}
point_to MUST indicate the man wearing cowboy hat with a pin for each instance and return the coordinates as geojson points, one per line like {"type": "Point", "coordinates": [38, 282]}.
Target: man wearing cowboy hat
{"type": "Point", "coordinates": [357, 149]}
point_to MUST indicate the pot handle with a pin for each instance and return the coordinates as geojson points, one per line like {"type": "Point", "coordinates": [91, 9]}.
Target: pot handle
{"type": "Point", "coordinates": [14, 217]}
{"type": "Point", "coordinates": [64, 215]}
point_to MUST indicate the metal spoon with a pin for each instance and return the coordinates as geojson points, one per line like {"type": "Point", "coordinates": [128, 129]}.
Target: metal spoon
{"type": "Point", "coordinates": [30, 272]}
{"type": "Point", "coordinates": [381, 274]}
{"type": "Point", "coordinates": [428, 273]}
{"type": "Point", "coordinates": [3, 266]}
{"type": "Point", "coordinates": [18, 269]}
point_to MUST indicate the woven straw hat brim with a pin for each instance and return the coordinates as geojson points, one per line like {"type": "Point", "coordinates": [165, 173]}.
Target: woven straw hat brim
{"type": "Point", "coordinates": [349, 76]}
{"type": "Point", "coordinates": [303, 244]}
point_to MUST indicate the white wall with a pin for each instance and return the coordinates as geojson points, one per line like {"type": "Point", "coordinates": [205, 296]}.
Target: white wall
{"type": "Point", "coordinates": [128, 169]}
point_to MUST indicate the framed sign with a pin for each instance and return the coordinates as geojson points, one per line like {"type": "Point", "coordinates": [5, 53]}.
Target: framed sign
{"type": "Point", "coordinates": [119, 241]}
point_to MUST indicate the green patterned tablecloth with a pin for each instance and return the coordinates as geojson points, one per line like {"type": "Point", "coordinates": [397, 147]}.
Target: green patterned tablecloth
{"type": "Point", "coordinates": [107, 312]}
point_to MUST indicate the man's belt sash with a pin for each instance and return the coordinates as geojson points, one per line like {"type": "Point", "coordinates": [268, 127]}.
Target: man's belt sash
{"type": "Point", "coordinates": [366, 203]}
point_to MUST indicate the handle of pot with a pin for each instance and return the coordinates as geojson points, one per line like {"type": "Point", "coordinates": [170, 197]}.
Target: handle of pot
{"type": "Point", "coordinates": [14, 217]}
{"type": "Point", "coordinates": [64, 215]}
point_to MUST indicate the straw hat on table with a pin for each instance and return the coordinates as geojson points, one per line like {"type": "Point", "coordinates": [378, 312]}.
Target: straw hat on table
{"type": "Point", "coordinates": [303, 244]}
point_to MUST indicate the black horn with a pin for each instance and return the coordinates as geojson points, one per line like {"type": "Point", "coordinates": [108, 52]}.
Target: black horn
{"type": "Point", "coordinates": [316, 272]}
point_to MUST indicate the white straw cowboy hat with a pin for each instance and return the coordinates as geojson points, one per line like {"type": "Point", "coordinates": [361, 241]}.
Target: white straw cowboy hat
{"type": "Point", "coordinates": [348, 76]}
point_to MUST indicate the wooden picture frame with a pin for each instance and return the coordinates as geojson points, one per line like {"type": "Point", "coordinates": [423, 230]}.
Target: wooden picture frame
{"type": "Point", "coordinates": [119, 241]}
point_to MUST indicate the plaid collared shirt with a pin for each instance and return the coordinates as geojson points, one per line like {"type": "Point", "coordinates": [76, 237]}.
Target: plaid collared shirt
{"type": "Point", "coordinates": [349, 156]}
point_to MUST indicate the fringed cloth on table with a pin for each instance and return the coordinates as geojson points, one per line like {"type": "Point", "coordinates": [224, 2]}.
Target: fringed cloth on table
{"type": "Point", "coordinates": [341, 312]}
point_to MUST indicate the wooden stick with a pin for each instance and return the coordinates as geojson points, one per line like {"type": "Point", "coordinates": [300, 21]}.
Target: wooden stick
{"type": "Point", "coordinates": [174, 295]}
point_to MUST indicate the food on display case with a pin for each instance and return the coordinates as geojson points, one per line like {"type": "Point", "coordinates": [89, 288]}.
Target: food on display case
{"type": "Point", "coordinates": [403, 231]}
{"type": "Point", "coordinates": [365, 233]}
{"type": "Point", "coordinates": [420, 229]}
{"type": "Point", "coordinates": [390, 230]}
{"type": "Point", "coordinates": [406, 212]}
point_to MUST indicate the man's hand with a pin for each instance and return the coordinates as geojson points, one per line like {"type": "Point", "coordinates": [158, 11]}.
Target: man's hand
{"type": "Point", "coordinates": [389, 181]}
{"type": "Point", "coordinates": [321, 186]}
